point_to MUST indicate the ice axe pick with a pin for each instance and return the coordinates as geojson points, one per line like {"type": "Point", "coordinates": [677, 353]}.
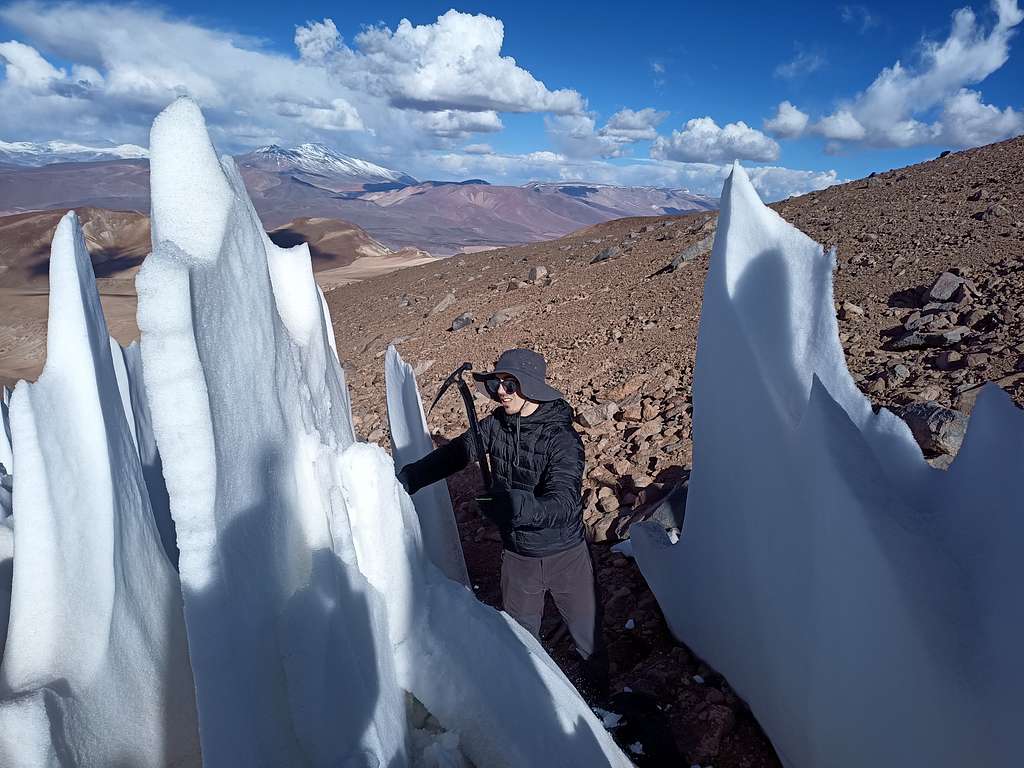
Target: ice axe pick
{"type": "Point", "coordinates": [474, 425]}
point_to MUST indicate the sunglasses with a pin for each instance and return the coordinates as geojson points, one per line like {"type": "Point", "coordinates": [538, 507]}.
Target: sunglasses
{"type": "Point", "coordinates": [494, 385]}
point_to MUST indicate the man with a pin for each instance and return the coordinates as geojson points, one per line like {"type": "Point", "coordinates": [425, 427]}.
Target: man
{"type": "Point", "coordinates": [537, 462]}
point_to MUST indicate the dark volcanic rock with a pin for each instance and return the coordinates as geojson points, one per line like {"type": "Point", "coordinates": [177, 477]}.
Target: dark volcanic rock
{"type": "Point", "coordinates": [945, 286]}
{"type": "Point", "coordinates": [926, 339]}
{"type": "Point", "coordinates": [936, 429]}
{"type": "Point", "coordinates": [462, 321]}
{"type": "Point", "coordinates": [608, 253]}
{"type": "Point", "coordinates": [690, 253]}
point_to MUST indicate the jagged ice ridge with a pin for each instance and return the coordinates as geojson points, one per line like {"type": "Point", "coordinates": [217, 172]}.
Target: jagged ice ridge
{"type": "Point", "coordinates": [865, 605]}
{"type": "Point", "coordinates": [314, 614]}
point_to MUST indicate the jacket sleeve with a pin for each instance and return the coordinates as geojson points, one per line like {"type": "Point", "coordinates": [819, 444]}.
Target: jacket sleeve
{"type": "Point", "coordinates": [443, 461]}
{"type": "Point", "coordinates": [562, 479]}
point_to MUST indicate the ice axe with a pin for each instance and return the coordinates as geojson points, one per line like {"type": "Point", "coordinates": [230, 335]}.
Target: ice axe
{"type": "Point", "coordinates": [474, 425]}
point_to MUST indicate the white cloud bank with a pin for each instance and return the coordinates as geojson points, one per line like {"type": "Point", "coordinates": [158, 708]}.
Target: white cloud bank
{"type": "Point", "coordinates": [894, 110]}
{"type": "Point", "coordinates": [772, 182]}
{"type": "Point", "coordinates": [418, 85]}
{"type": "Point", "coordinates": [702, 140]}
{"type": "Point", "coordinates": [405, 97]}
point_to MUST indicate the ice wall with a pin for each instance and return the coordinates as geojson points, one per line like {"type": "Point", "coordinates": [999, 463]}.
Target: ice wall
{"type": "Point", "coordinates": [411, 441]}
{"type": "Point", "coordinates": [481, 674]}
{"type": "Point", "coordinates": [250, 412]}
{"type": "Point", "coordinates": [95, 668]}
{"type": "Point", "coordinates": [864, 604]}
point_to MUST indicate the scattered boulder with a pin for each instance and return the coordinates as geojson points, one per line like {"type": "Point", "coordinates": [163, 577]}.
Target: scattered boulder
{"type": "Point", "coordinates": [497, 319]}
{"type": "Point", "coordinates": [462, 321]}
{"type": "Point", "coordinates": [927, 339]}
{"type": "Point", "coordinates": [596, 415]}
{"type": "Point", "coordinates": [937, 429]}
{"type": "Point", "coordinates": [897, 374]}
{"type": "Point", "coordinates": [669, 512]}
{"type": "Point", "coordinates": [689, 254]}
{"type": "Point", "coordinates": [849, 311]}
{"type": "Point", "coordinates": [944, 287]}
{"type": "Point", "coordinates": [503, 316]}
{"type": "Point", "coordinates": [537, 274]}
{"type": "Point", "coordinates": [608, 253]}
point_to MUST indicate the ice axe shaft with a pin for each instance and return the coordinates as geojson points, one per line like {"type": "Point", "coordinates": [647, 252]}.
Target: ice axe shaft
{"type": "Point", "coordinates": [474, 425]}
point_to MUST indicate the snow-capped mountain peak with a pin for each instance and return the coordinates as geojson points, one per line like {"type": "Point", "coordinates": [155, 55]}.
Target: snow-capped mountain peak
{"type": "Point", "coordinates": [324, 161]}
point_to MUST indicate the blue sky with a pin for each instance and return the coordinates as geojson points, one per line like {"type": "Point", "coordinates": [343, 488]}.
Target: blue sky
{"type": "Point", "coordinates": [665, 94]}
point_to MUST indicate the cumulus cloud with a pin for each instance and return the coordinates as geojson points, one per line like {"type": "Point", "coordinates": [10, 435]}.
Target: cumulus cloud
{"type": "Point", "coordinates": [774, 183]}
{"type": "Point", "coordinates": [24, 67]}
{"type": "Point", "coordinates": [638, 125]}
{"type": "Point", "coordinates": [454, 63]}
{"type": "Point", "coordinates": [967, 122]}
{"type": "Point", "coordinates": [478, 149]}
{"type": "Point", "coordinates": [788, 123]}
{"type": "Point", "coordinates": [455, 123]}
{"type": "Point", "coordinates": [841, 126]}
{"type": "Point", "coordinates": [702, 140]}
{"type": "Point", "coordinates": [895, 109]}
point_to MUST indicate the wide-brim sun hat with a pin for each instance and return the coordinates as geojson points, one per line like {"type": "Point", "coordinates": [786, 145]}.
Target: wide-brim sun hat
{"type": "Point", "coordinates": [529, 369]}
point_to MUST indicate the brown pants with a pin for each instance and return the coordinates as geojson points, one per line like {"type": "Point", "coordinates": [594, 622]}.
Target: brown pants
{"type": "Point", "coordinates": [569, 576]}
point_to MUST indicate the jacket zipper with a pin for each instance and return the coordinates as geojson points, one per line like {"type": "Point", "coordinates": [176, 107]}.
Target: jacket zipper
{"type": "Point", "coordinates": [517, 439]}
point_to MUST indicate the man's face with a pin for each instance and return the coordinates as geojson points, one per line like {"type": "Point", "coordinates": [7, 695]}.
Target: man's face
{"type": "Point", "coordinates": [512, 402]}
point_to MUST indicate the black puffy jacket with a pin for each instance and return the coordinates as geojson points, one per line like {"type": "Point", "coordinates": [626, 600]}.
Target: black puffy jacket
{"type": "Point", "coordinates": [539, 459]}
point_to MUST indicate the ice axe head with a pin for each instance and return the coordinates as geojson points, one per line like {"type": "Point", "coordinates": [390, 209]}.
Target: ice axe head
{"type": "Point", "coordinates": [455, 376]}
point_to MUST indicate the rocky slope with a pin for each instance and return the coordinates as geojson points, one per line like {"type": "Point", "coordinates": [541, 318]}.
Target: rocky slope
{"type": "Point", "coordinates": [929, 292]}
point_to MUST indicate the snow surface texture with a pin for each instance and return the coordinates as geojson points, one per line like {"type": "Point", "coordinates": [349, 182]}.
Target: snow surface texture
{"type": "Point", "coordinates": [249, 408]}
{"type": "Point", "coordinates": [411, 441]}
{"type": "Point", "coordinates": [95, 669]}
{"type": "Point", "coordinates": [866, 605]}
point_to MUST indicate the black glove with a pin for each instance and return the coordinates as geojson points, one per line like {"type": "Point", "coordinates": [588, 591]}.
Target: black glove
{"type": "Point", "coordinates": [403, 478]}
{"type": "Point", "coordinates": [497, 507]}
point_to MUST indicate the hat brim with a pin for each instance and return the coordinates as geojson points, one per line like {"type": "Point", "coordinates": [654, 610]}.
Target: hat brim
{"type": "Point", "coordinates": [530, 387]}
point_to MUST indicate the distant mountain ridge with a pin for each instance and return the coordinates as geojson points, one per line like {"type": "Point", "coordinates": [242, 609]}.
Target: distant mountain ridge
{"type": "Point", "coordinates": [35, 154]}
{"type": "Point", "coordinates": [314, 181]}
